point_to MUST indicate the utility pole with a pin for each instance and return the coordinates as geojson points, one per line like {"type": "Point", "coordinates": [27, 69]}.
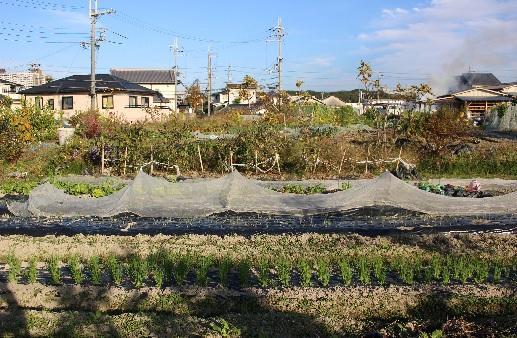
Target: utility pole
{"type": "Point", "coordinates": [209, 82]}
{"type": "Point", "coordinates": [228, 82]}
{"type": "Point", "coordinates": [94, 15]}
{"type": "Point", "coordinates": [175, 50]}
{"type": "Point", "coordinates": [279, 34]}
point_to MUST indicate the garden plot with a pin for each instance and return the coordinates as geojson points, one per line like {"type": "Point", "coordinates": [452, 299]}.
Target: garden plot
{"type": "Point", "coordinates": [322, 285]}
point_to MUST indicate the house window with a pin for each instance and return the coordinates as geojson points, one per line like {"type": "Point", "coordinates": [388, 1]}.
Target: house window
{"type": "Point", "coordinates": [107, 102]}
{"type": "Point", "coordinates": [38, 102]}
{"type": "Point", "coordinates": [132, 102]}
{"type": "Point", "coordinates": [67, 103]}
{"type": "Point", "coordinates": [50, 104]}
{"type": "Point", "coordinates": [145, 102]}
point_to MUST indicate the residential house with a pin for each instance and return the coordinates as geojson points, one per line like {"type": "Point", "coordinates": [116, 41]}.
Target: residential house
{"type": "Point", "coordinates": [238, 93]}
{"type": "Point", "coordinates": [160, 80]}
{"type": "Point", "coordinates": [70, 95]}
{"type": "Point", "coordinates": [11, 90]}
{"type": "Point", "coordinates": [477, 94]}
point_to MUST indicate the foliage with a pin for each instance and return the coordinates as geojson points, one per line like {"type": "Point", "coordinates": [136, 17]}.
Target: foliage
{"type": "Point", "coordinates": [244, 270]}
{"type": "Point", "coordinates": [138, 270]}
{"type": "Point", "coordinates": [283, 269]}
{"type": "Point", "coordinates": [346, 271]}
{"type": "Point", "coordinates": [115, 269]}
{"type": "Point", "coordinates": [14, 268]}
{"type": "Point", "coordinates": [305, 271]}
{"type": "Point", "coordinates": [224, 269]}
{"type": "Point", "coordinates": [32, 271]}
{"type": "Point", "coordinates": [84, 189]}
{"type": "Point", "coordinates": [195, 96]}
{"type": "Point", "coordinates": [323, 271]}
{"type": "Point", "coordinates": [95, 268]}
{"type": "Point", "coordinates": [225, 329]}
{"type": "Point", "coordinates": [53, 265]}
{"type": "Point", "coordinates": [263, 275]}
{"type": "Point", "coordinates": [17, 187]}
{"type": "Point", "coordinates": [76, 269]}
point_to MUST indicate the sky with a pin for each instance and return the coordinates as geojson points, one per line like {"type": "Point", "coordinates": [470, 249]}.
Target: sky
{"type": "Point", "coordinates": [405, 42]}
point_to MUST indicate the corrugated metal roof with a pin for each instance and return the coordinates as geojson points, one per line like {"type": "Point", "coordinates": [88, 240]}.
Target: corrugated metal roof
{"type": "Point", "coordinates": [81, 84]}
{"type": "Point", "coordinates": [145, 76]}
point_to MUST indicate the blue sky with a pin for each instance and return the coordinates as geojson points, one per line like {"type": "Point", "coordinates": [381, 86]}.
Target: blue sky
{"type": "Point", "coordinates": [405, 41]}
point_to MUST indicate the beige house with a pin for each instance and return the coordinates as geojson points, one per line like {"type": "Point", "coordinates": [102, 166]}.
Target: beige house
{"type": "Point", "coordinates": [12, 91]}
{"type": "Point", "coordinates": [116, 96]}
{"type": "Point", "coordinates": [237, 93]}
{"type": "Point", "coordinates": [160, 80]}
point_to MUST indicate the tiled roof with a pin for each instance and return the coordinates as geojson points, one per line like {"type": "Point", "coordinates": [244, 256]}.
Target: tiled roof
{"type": "Point", "coordinates": [145, 76]}
{"type": "Point", "coordinates": [81, 84]}
{"type": "Point", "coordinates": [469, 80]}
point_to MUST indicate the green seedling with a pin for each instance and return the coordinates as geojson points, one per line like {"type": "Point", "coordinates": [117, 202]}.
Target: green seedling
{"type": "Point", "coordinates": [202, 269]}
{"type": "Point", "coordinates": [346, 271]}
{"type": "Point", "coordinates": [323, 271]}
{"type": "Point", "coordinates": [263, 273]}
{"type": "Point", "coordinates": [224, 267]}
{"type": "Point", "coordinates": [138, 270]}
{"type": "Point", "coordinates": [53, 265]}
{"type": "Point", "coordinates": [305, 271]}
{"type": "Point", "coordinates": [182, 269]}
{"type": "Point", "coordinates": [379, 270]}
{"type": "Point", "coordinates": [364, 271]}
{"type": "Point", "coordinates": [95, 270]}
{"type": "Point", "coordinates": [15, 268]}
{"type": "Point", "coordinates": [115, 269]}
{"type": "Point", "coordinates": [76, 269]}
{"type": "Point", "coordinates": [32, 271]}
{"type": "Point", "coordinates": [244, 273]}
{"type": "Point", "coordinates": [283, 269]}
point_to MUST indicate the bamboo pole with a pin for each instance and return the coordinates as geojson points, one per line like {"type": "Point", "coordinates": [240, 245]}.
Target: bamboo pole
{"type": "Point", "coordinates": [367, 159]}
{"type": "Point", "coordinates": [152, 162]}
{"type": "Point", "coordinates": [125, 162]}
{"type": "Point", "coordinates": [102, 158]}
{"type": "Point", "coordinates": [278, 163]}
{"type": "Point", "coordinates": [231, 161]}
{"type": "Point", "coordinates": [200, 158]}
{"type": "Point", "coordinates": [256, 162]}
{"type": "Point", "coordinates": [342, 161]}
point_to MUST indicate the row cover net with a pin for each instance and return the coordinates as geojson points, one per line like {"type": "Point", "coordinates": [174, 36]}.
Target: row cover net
{"type": "Point", "coordinates": [149, 196]}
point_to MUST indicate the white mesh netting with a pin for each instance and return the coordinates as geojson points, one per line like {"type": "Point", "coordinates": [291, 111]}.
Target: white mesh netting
{"type": "Point", "coordinates": [148, 196]}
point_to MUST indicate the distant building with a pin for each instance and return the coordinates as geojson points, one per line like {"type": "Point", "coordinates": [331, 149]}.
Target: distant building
{"type": "Point", "coordinates": [477, 94]}
{"type": "Point", "coordinates": [12, 91]}
{"type": "Point", "coordinates": [70, 95]}
{"type": "Point", "coordinates": [237, 93]}
{"type": "Point", "coordinates": [31, 78]}
{"type": "Point", "coordinates": [160, 80]}
{"type": "Point", "coordinates": [334, 102]}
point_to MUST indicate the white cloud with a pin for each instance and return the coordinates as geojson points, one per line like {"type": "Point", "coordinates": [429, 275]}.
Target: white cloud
{"type": "Point", "coordinates": [444, 38]}
{"type": "Point", "coordinates": [322, 61]}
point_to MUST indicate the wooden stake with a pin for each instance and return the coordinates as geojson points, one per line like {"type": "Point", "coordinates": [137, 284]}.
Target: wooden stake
{"type": "Point", "coordinates": [278, 163]}
{"type": "Point", "coordinates": [200, 158]}
{"type": "Point", "coordinates": [400, 158]}
{"type": "Point", "coordinates": [125, 162]}
{"type": "Point", "coordinates": [231, 161]}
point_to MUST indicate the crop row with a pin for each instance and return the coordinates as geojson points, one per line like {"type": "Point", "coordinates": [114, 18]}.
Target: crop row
{"type": "Point", "coordinates": [162, 269]}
